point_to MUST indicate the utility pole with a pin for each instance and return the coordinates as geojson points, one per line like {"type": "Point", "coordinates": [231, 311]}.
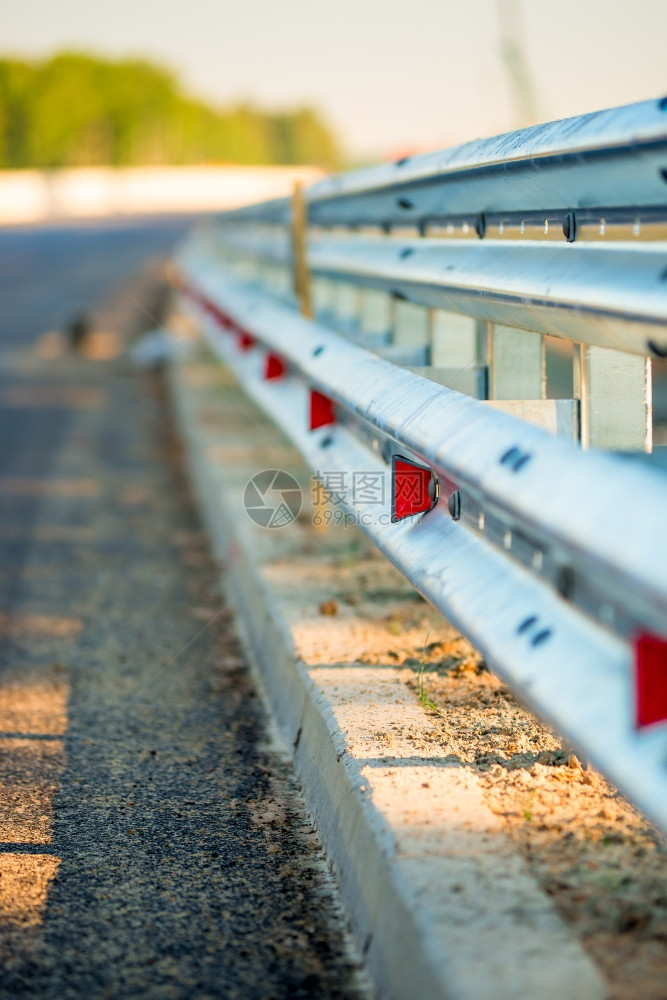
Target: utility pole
{"type": "Point", "coordinates": [513, 54]}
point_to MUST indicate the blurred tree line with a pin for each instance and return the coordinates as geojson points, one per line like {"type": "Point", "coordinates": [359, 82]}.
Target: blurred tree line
{"type": "Point", "coordinates": [77, 110]}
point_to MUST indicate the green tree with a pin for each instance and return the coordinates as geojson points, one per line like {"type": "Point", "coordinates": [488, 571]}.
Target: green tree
{"type": "Point", "coordinates": [79, 110]}
{"type": "Point", "coordinates": [15, 78]}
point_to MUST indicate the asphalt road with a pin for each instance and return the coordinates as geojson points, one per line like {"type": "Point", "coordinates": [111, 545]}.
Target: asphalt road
{"type": "Point", "coordinates": [152, 840]}
{"type": "Point", "coordinates": [49, 274]}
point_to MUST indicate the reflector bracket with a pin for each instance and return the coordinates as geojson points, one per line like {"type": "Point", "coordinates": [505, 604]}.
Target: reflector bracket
{"type": "Point", "coordinates": [650, 680]}
{"type": "Point", "coordinates": [275, 366]}
{"type": "Point", "coordinates": [321, 410]}
{"type": "Point", "coordinates": [413, 488]}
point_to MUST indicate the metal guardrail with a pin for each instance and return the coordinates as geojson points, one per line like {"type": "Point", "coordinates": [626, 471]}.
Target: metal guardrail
{"type": "Point", "coordinates": [612, 159]}
{"type": "Point", "coordinates": [549, 557]}
{"type": "Point", "coordinates": [554, 290]}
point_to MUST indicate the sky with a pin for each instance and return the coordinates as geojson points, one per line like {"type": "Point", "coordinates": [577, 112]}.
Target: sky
{"type": "Point", "coordinates": [390, 76]}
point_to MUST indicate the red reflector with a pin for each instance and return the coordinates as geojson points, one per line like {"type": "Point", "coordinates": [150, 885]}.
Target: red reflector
{"type": "Point", "coordinates": [650, 679]}
{"type": "Point", "coordinates": [412, 488]}
{"type": "Point", "coordinates": [246, 341]}
{"type": "Point", "coordinates": [275, 366]}
{"type": "Point", "coordinates": [321, 410]}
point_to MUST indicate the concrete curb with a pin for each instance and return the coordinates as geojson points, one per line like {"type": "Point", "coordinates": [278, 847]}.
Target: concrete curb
{"type": "Point", "coordinates": [440, 905]}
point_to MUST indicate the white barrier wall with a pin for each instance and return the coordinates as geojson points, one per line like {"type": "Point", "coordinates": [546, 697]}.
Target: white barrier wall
{"type": "Point", "coordinates": [35, 196]}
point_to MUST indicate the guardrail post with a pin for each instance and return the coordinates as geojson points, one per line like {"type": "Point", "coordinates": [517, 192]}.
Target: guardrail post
{"type": "Point", "coordinates": [347, 303]}
{"type": "Point", "coordinates": [615, 396]}
{"type": "Point", "coordinates": [411, 324]}
{"type": "Point", "coordinates": [323, 296]}
{"type": "Point", "coordinates": [281, 282]}
{"type": "Point", "coordinates": [245, 267]}
{"type": "Point", "coordinates": [516, 364]}
{"type": "Point", "coordinates": [376, 312]}
{"type": "Point", "coordinates": [265, 274]}
{"type": "Point", "coordinates": [458, 353]}
{"type": "Point", "coordinates": [518, 381]}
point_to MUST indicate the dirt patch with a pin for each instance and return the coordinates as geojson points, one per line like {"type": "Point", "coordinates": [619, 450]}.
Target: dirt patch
{"type": "Point", "coordinates": [595, 855]}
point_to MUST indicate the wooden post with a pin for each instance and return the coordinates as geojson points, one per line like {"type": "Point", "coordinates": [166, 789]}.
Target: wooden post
{"type": "Point", "coordinates": [299, 229]}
